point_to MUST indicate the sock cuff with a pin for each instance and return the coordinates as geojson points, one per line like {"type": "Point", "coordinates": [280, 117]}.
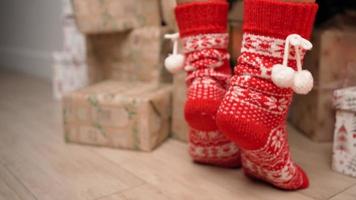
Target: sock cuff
{"type": "Point", "coordinates": [201, 18]}
{"type": "Point", "coordinates": [279, 19]}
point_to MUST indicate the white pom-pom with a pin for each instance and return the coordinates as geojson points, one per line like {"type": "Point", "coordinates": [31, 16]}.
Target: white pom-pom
{"type": "Point", "coordinates": [282, 76]}
{"type": "Point", "coordinates": [306, 44]}
{"type": "Point", "coordinates": [174, 62]}
{"type": "Point", "coordinates": [303, 82]}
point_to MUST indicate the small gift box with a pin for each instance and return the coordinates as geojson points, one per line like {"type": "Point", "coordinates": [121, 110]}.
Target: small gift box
{"type": "Point", "coordinates": [128, 115]}
{"type": "Point", "coordinates": [344, 147]}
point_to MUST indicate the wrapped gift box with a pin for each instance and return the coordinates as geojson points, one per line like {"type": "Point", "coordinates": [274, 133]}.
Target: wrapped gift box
{"type": "Point", "coordinates": [129, 115]}
{"type": "Point", "coordinates": [168, 17]}
{"type": "Point", "coordinates": [74, 41]}
{"type": "Point", "coordinates": [180, 127]}
{"type": "Point", "coordinates": [129, 56]}
{"type": "Point", "coordinates": [106, 16]}
{"type": "Point", "coordinates": [332, 63]}
{"type": "Point", "coordinates": [344, 147]}
{"type": "Point", "coordinates": [69, 74]}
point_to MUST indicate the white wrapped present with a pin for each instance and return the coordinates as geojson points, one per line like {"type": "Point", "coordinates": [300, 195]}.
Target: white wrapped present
{"type": "Point", "coordinates": [74, 41]}
{"type": "Point", "coordinates": [67, 9]}
{"type": "Point", "coordinates": [68, 74]}
{"type": "Point", "coordinates": [344, 148]}
{"type": "Point", "coordinates": [118, 114]}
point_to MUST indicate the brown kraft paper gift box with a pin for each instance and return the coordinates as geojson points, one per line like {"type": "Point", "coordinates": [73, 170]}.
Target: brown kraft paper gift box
{"type": "Point", "coordinates": [333, 65]}
{"type": "Point", "coordinates": [106, 16]}
{"type": "Point", "coordinates": [118, 115]}
{"type": "Point", "coordinates": [135, 55]}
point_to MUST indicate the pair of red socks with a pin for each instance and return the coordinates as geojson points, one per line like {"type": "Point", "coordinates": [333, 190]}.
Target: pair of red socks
{"type": "Point", "coordinates": [240, 119]}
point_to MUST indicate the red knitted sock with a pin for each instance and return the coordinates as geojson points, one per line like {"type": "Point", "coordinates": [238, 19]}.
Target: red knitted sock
{"type": "Point", "coordinates": [203, 30]}
{"type": "Point", "coordinates": [254, 109]}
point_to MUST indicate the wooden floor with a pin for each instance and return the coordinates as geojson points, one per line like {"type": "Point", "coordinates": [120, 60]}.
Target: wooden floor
{"type": "Point", "coordinates": [35, 163]}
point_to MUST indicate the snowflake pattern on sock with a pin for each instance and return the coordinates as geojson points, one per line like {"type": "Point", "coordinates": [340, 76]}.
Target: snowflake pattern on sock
{"type": "Point", "coordinates": [253, 114]}
{"type": "Point", "coordinates": [206, 55]}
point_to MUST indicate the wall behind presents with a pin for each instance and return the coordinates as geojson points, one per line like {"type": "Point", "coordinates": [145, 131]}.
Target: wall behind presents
{"type": "Point", "coordinates": [30, 32]}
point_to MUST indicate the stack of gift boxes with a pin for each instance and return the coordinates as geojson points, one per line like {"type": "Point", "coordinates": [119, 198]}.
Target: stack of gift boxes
{"type": "Point", "coordinates": [129, 106]}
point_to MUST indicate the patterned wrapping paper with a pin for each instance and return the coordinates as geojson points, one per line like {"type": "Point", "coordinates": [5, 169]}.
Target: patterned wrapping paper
{"type": "Point", "coordinates": [69, 74]}
{"type": "Point", "coordinates": [106, 16]}
{"type": "Point", "coordinates": [168, 17]}
{"type": "Point", "coordinates": [180, 127]}
{"type": "Point", "coordinates": [129, 56]}
{"type": "Point", "coordinates": [129, 115]}
{"type": "Point", "coordinates": [67, 9]}
{"type": "Point", "coordinates": [332, 63]}
{"type": "Point", "coordinates": [344, 147]}
{"type": "Point", "coordinates": [73, 41]}
{"type": "Point", "coordinates": [70, 71]}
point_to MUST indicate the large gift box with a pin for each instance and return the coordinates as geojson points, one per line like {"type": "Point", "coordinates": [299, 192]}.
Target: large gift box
{"type": "Point", "coordinates": [128, 115]}
{"type": "Point", "coordinates": [180, 127]}
{"type": "Point", "coordinates": [332, 63]}
{"type": "Point", "coordinates": [344, 148]}
{"type": "Point", "coordinates": [135, 55]}
{"type": "Point", "coordinates": [106, 16]}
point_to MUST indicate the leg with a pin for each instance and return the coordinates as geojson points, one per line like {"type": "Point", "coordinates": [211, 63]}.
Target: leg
{"type": "Point", "coordinates": [254, 110]}
{"type": "Point", "coordinates": [203, 30]}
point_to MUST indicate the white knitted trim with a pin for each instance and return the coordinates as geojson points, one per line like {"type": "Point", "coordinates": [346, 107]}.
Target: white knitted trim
{"type": "Point", "coordinates": [263, 45]}
{"type": "Point", "coordinates": [205, 41]}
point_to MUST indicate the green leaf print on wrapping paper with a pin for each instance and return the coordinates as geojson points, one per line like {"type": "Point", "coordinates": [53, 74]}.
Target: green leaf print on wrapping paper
{"type": "Point", "coordinates": [65, 113]}
{"type": "Point", "coordinates": [135, 136]}
{"type": "Point", "coordinates": [66, 136]}
{"type": "Point", "coordinates": [108, 20]}
{"type": "Point", "coordinates": [100, 128]}
{"type": "Point", "coordinates": [131, 111]}
{"type": "Point", "coordinates": [159, 115]}
{"type": "Point", "coordinates": [111, 23]}
{"type": "Point", "coordinates": [94, 103]}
